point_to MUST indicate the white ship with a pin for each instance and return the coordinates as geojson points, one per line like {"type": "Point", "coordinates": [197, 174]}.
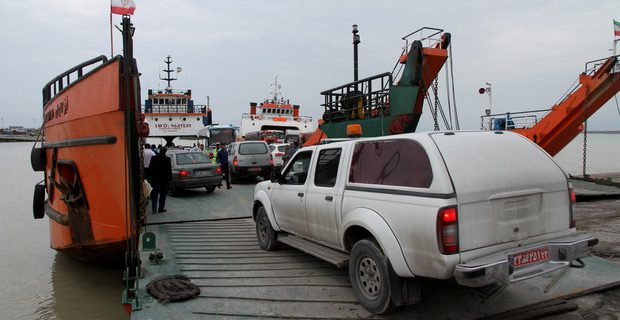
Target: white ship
{"type": "Point", "coordinates": [172, 113]}
{"type": "Point", "coordinates": [275, 114]}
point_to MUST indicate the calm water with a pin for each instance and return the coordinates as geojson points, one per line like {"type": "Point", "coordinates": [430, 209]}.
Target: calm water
{"type": "Point", "coordinates": [41, 284]}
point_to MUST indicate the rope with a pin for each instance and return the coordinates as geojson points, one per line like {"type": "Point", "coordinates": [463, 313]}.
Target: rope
{"type": "Point", "coordinates": [172, 288]}
{"type": "Point", "coordinates": [456, 117]}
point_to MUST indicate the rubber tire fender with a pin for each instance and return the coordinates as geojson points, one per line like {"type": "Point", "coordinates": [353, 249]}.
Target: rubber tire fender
{"type": "Point", "coordinates": [38, 159]}
{"type": "Point", "coordinates": [38, 201]}
{"type": "Point", "coordinates": [366, 254]}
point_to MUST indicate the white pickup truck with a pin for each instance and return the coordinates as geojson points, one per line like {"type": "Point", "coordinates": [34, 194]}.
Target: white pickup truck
{"type": "Point", "coordinates": [482, 207]}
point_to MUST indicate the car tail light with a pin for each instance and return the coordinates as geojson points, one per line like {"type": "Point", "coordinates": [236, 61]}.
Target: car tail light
{"type": "Point", "coordinates": [573, 199]}
{"type": "Point", "coordinates": [279, 154]}
{"type": "Point", "coordinates": [235, 162]}
{"type": "Point", "coordinates": [183, 174]}
{"type": "Point", "coordinates": [270, 160]}
{"type": "Point", "coordinates": [448, 230]}
{"type": "Point", "coordinates": [218, 170]}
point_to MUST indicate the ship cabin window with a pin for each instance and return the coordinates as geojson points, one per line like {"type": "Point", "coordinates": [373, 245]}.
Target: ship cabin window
{"type": "Point", "coordinates": [183, 101]}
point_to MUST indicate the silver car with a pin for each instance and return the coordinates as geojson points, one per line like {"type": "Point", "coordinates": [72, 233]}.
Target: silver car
{"type": "Point", "coordinates": [193, 169]}
{"type": "Point", "coordinates": [249, 159]}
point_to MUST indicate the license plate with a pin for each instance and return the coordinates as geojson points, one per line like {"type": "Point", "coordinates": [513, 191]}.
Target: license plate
{"type": "Point", "coordinates": [529, 257]}
{"type": "Point", "coordinates": [254, 169]}
{"type": "Point", "coordinates": [202, 173]}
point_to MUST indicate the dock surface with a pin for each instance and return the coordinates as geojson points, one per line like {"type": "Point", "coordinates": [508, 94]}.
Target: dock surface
{"type": "Point", "coordinates": [211, 239]}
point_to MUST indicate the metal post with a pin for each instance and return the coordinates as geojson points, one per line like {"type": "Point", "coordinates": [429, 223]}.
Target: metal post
{"type": "Point", "coordinates": [488, 111]}
{"type": "Point", "coordinates": [356, 41]}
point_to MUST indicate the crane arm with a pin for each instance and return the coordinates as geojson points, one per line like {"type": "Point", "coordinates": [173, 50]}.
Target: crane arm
{"type": "Point", "coordinates": [564, 122]}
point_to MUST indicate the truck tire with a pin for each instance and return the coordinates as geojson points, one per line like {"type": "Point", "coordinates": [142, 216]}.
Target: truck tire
{"type": "Point", "coordinates": [368, 273]}
{"type": "Point", "coordinates": [267, 237]}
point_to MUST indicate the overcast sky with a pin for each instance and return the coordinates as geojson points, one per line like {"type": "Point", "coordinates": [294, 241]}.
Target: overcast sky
{"type": "Point", "coordinates": [531, 51]}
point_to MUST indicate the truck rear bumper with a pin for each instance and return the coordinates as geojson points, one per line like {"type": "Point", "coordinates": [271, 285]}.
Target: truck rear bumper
{"type": "Point", "coordinates": [525, 262]}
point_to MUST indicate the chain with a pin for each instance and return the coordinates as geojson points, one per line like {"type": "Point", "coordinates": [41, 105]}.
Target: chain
{"type": "Point", "coordinates": [585, 146]}
{"type": "Point", "coordinates": [435, 87]}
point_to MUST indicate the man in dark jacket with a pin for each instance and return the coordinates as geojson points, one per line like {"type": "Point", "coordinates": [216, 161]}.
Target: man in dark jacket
{"type": "Point", "coordinates": [222, 159]}
{"type": "Point", "coordinates": [160, 170]}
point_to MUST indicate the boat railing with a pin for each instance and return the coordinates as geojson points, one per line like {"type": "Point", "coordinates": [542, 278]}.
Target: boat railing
{"type": "Point", "coordinates": [170, 91]}
{"type": "Point", "coordinates": [512, 120]}
{"type": "Point", "coordinates": [367, 97]}
{"type": "Point", "coordinates": [430, 37]}
{"type": "Point", "coordinates": [250, 116]}
{"type": "Point", "coordinates": [63, 80]}
{"type": "Point", "coordinates": [162, 108]}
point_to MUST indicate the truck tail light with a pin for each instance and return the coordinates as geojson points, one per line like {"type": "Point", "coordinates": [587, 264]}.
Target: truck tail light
{"type": "Point", "coordinates": [183, 174]}
{"type": "Point", "coordinates": [235, 162]}
{"type": "Point", "coordinates": [448, 230]}
{"type": "Point", "coordinates": [573, 199]}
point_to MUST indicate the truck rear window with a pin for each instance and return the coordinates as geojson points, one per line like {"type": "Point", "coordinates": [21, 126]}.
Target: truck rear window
{"type": "Point", "coordinates": [252, 148]}
{"type": "Point", "coordinates": [398, 162]}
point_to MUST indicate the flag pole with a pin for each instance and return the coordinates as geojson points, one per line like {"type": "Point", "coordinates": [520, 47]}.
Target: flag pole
{"type": "Point", "coordinates": [111, 38]}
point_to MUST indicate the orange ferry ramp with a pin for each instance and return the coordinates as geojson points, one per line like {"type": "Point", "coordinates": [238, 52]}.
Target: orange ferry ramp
{"type": "Point", "coordinates": [210, 239]}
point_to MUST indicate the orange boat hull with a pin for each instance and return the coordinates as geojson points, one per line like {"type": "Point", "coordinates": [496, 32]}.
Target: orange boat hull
{"type": "Point", "coordinates": [86, 168]}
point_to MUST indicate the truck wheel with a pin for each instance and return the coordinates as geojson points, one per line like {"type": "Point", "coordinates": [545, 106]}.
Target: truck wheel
{"type": "Point", "coordinates": [267, 237]}
{"type": "Point", "coordinates": [368, 274]}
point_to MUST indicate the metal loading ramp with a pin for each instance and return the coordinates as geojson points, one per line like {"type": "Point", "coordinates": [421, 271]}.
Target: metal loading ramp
{"type": "Point", "coordinates": [238, 280]}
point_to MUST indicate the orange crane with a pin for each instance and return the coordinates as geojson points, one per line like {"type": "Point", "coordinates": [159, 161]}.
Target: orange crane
{"type": "Point", "coordinates": [597, 85]}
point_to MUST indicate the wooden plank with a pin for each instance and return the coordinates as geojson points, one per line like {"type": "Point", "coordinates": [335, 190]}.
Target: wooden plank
{"type": "Point", "coordinates": [286, 293]}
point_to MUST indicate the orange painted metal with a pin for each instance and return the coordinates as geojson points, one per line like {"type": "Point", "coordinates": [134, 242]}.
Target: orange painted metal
{"type": "Point", "coordinates": [90, 108]}
{"type": "Point", "coordinates": [564, 122]}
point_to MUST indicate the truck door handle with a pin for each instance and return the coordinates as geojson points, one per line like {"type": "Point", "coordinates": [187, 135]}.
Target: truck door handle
{"type": "Point", "coordinates": [300, 194]}
{"type": "Point", "coordinates": [329, 198]}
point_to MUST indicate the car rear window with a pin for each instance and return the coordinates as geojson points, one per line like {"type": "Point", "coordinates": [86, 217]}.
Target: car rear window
{"type": "Point", "coordinates": [252, 148]}
{"type": "Point", "coordinates": [282, 148]}
{"type": "Point", "coordinates": [191, 158]}
{"type": "Point", "coordinates": [398, 162]}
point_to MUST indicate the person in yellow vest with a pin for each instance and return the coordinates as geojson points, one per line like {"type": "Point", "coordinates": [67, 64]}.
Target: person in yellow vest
{"type": "Point", "coordinates": [213, 154]}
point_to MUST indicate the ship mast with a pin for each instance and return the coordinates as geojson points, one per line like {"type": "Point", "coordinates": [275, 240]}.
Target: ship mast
{"type": "Point", "coordinates": [276, 90]}
{"type": "Point", "coordinates": [168, 71]}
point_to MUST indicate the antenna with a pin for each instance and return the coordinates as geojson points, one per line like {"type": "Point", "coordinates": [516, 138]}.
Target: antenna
{"type": "Point", "coordinates": [168, 71]}
{"type": "Point", "coordinates": [276, 89]}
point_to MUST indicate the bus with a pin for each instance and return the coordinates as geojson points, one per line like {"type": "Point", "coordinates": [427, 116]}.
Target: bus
{"type": "Point", "coordinates": [222, 133]}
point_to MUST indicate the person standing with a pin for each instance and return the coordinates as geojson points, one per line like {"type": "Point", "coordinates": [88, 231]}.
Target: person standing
{"type": "Point", "coordinates": [222, 159]}
{"type": "Point", "coordinates": [161, 173]}
{"type": "Point", "coordinates": [147, 154]}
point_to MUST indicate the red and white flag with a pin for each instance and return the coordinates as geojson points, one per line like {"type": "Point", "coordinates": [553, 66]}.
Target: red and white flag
{"type": "Point", "coordinates": [123, 6]}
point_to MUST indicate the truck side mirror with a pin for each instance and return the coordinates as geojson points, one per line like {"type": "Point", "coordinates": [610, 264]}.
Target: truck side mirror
{"type": "Point", "coordinates": [276, 176]}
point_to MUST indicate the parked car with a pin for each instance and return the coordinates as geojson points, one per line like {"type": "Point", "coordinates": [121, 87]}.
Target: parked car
{"type": "Point", "coordinates": [278, 151]}
{"type": "Point", "coordinates": [480, 207]}
{"type": "Point", "coordinates": [249, 159]}
{"type": "Point", "coordinates": [193, 169]}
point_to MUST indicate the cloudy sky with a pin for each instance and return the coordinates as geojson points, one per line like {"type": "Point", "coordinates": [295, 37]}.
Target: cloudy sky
{"type": "Point", "coordinates": [531, 51]}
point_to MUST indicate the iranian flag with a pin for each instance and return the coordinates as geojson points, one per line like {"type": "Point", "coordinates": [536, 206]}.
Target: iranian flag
{"type": "Point", "coordinates": [123, 6]}
{"type": "Point", "coordinates": [616, 28]}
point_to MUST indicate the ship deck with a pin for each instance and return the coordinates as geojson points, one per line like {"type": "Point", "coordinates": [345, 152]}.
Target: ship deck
{"type": "Point", "coordinates": [211, 239]}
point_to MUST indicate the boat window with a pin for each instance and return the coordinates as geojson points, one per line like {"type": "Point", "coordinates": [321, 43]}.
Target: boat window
{"type": "Point", "coordinates": [191, 158]}
{"type": "Point", "coordinates": [398, 162]}
{"type": "Point", "coordinates": [327, 167]}
{"type": "Point", "coordinates": [253, 148]}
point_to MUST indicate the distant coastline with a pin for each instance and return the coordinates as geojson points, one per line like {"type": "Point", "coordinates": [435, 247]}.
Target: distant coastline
{"type": "Point", "coordinates": [16, 138]}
